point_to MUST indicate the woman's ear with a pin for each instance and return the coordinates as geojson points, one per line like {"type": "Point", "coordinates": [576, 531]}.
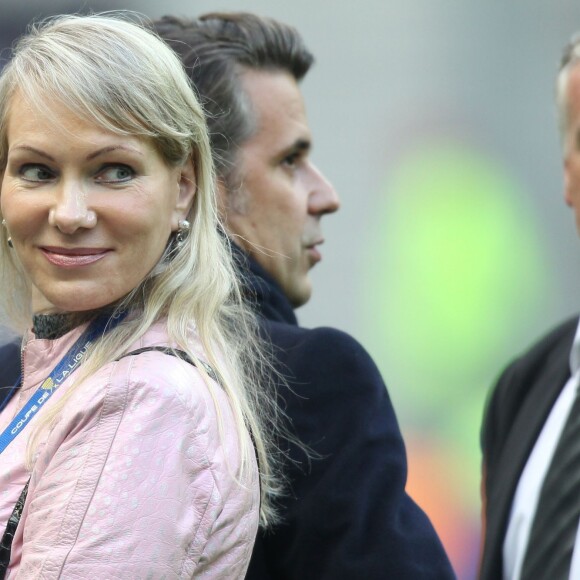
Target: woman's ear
{"type": "Point", "coordinates": [187, 189]}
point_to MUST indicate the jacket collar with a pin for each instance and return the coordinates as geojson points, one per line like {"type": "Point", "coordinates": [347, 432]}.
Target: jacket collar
{"type": "Point", "coordinates": [264, 293]}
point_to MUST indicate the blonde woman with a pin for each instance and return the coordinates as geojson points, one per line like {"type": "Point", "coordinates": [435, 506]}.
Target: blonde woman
{"type": "Point", "coordinates": [135, 444]}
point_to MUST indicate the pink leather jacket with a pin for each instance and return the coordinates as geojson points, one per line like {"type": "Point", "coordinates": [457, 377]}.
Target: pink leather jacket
{"type": "Point", "coordinates": [134, 481]}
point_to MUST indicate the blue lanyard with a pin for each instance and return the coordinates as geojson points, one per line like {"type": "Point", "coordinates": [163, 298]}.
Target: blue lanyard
{"type": "Point", "coordinates": [67, 365]}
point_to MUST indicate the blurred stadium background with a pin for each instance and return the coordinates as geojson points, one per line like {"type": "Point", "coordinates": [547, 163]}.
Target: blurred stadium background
{"type": "Point", "coordinates": [453, 249]}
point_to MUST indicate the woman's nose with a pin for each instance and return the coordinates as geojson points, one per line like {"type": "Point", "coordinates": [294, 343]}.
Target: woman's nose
{"type": "Point", "coordinates": [70, 211]}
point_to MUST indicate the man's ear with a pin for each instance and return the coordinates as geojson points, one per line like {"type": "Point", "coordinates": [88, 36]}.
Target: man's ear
{"type": "Point", "coordinates": [232, 198]}
{"type": "Point", "coordinates": [187, 189]}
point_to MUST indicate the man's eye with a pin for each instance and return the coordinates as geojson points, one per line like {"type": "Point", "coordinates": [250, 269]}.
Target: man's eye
{"type": "Point", "coordinates": [115, 174]}
{"type": "Point", "coordinates": [290, 160]}
{"type": "Point", "coordinates": [36, 173]}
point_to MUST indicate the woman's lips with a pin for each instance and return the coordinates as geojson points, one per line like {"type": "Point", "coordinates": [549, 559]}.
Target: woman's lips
{"type": "Point", "coordinates": [73, 258]}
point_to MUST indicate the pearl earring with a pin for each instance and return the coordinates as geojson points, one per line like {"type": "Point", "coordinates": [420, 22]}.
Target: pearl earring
{"type": "Point", "coordinates": [182, 231]}
{"type": "Point", "coordinates": [9, 238]}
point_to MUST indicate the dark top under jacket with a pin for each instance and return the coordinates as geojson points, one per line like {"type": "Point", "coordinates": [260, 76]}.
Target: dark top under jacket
{"type": "Point", "coordinates": [516, 412]}
{"type": "Point", "coordinates": [9, 367]}
{"type": "Point", "coordinates": [347, 514]}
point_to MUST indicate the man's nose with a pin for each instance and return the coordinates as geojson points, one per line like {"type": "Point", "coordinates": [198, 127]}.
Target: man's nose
{"type": "Point", "coordinates": [70, 210]}
{"type": "Point", "coordinates": [323, 198]}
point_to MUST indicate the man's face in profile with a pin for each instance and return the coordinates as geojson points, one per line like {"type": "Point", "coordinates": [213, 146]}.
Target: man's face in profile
{"type": "Point", "coordinates": [282, 195]}
{"type": "Point", "coordinates": [572, 144]}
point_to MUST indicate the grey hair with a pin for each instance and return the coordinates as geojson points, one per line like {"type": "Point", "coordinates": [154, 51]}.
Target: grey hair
{"type": "Point", "coordinates": [570, 58]}
{"type": "Point", "coordinates": [120, 76]}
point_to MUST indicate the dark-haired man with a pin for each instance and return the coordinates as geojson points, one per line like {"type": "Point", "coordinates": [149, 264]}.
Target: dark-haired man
{"type": "Point", "coordinates": [346, 514]}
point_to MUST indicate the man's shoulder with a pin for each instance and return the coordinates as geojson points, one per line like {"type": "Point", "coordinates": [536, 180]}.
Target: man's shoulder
{"type": "Point", "coordinates": [324, 358]}
{"type": "Point", "coordinates": [544, 363]}
{"type": "Point", "coordinates": [559, 337]}
{"type": "Point", "coordinates": [323, 342]}
{"type": "Point", "coordinates": [551, 349]}
{"type": "Point", "coordinates": [291, 334]}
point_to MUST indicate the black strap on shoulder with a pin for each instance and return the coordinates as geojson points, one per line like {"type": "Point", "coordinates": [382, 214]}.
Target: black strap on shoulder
{"type": "Point", "coordinates": [174, 352]}
{"type": "Point", "coordinates": [184, 356]}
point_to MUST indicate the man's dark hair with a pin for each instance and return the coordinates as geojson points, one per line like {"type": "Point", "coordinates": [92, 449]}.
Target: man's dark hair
{"type": "Point", "coordinates": [215, 49]}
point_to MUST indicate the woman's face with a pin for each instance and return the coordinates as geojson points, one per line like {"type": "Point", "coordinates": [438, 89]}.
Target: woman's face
{"type": "Point", "coordinates": [90, 212]}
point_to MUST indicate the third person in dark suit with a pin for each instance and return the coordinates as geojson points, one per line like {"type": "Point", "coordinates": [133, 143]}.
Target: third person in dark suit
{"type": "Point", "coordinates": [531, 477]}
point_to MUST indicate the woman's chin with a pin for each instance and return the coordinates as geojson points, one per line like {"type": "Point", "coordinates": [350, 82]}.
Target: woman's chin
{"type": "Point", "coordinates": [59, 305]}
{"type": "Point", "coordinates": [71, 298]}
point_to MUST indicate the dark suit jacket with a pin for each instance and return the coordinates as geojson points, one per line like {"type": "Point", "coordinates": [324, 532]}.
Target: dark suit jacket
{"type": "Point", "coordinates": [516, 411]}
{"type": "Point", "coordinates": [347, 514]}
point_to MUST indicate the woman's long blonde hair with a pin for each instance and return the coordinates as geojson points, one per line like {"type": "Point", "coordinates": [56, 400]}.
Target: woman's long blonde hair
{"type": "Point", "coordinates": [116, 74]}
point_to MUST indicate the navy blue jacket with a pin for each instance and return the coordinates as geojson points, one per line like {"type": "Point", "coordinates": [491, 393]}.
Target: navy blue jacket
{"type": "Point", "coordinates": [347, 514]}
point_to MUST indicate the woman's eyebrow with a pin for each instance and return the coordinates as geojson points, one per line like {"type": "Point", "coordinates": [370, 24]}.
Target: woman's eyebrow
{"type": "Point", "coordinates": [33, 150]}
{"type": "Point", "coordinates": [111, 148]}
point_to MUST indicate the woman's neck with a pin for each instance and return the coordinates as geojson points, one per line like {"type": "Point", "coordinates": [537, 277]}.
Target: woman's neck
{"type": "Point", "coordinates": [51, 325]}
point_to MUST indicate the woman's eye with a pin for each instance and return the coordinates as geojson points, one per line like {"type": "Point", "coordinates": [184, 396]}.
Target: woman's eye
{"type": "Point", "coordinates": [36, 173]}
{"type": "Point", "coordinates": [115, 174]}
